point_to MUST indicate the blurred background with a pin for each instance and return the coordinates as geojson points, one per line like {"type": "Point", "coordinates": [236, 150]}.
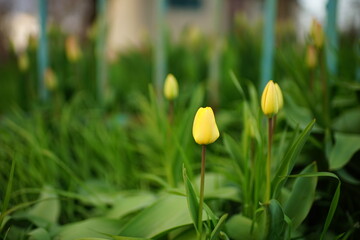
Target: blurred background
{"type": "Point", "coordinates": [109, 48]}
{"type": "Point", "coordinates": [82, 110]}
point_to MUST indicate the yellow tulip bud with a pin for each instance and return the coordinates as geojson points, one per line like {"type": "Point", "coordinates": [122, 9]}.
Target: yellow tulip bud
{"type": "Point", "coordinates": [171, 90]}
{"type": "Point", "coordinates": [269, 100]}
{"type": "Point", "coordinates": [23, 62]}
{"type": "Point", "coordinates": [311, 57]}
{"type": "Point", "coordinates": [205, 130]}
{"type": "Point", "coordinates": [50, 79]}
{"type": "Point", "coordinates": [73, 51]}
{"type": "Point", "coordinates": [280, 96]}
{"type": "Point", "coordinates": [317, 33]}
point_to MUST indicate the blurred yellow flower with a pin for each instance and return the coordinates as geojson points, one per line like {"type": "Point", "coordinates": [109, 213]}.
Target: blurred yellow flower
{"type": "Point", "coordinates": [269, 100]}
{"type": "Point", "coordinates": [317, 33]}
{"type": "Point", "coordinates": [73, 51]}
{"type": "Point", "coordinates": [23, 62]}
{"type": "Point", "coordinates": [280, 96]}
{"type": "Point", "coordinates": [50, 79]}
{"type": "Point", "coordinates": [171, 89]}
{"type": "Point", "coordinates": [205, 130]}
{"type": "Point", "coordinates": [311, 57]}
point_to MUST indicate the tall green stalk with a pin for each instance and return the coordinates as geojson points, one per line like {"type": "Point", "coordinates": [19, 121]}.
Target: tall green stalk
{"type": "Point", "coordinates": [268, 161]}
{"type": "Point", "coordinates": [202, 186]}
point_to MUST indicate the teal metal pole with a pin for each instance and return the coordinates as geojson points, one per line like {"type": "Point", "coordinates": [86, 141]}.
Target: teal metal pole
{"type": "Point", "coordinates": [101, 69]}
{"type": "Point", "coordinates": [268, 43]}
{"type": "Point", "coordinates": [358, 61]}
{"type": "Point", "coordinates": [214, 71]}
{"type": "Point", "coordinates": [42, 51]}
{"type": "Point", "coordinates": [159, 47]}
{"type": "Point", "coordinates": [332, 41]}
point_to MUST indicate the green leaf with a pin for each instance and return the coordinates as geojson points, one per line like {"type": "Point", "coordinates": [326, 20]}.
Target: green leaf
{"type": "Point", "coordinates": [334, 200]}
{"type": "Point", "coordinates": [346, 145]}
{"type": "Point", "coordinates": [239, 228]}
{"type": "Point", "coordinates": [276, 220]}
{"type": "Point", "coordinates": [128, 238]}
{"type": "Point", "coordinates": [215, 233]}
{"type": "Point", "coordinates": [192, 200]}
{"type": "Point", "coordinates": [90, 228]}
{"type": "Point", "coordinates": [348, 121]}
{"type": "Point", "coordinates": [47, 210]}
{"type": "Point", "coordinates": [7, 194]}
{"type": "Point", "coordinates": [347, 177]}
{"type": "Point", "coordinates": [129, 204]}
{"type": "Point", "coordinates": [302, 197]}
{"type": "Point", "coordinates": [39, 234]}
{"type": "Point", "coordinates": [169, 212]}
{"type": "Point", "coordinates": [288, 161]}
{"type": "Point", "coordinates": [234, 150]}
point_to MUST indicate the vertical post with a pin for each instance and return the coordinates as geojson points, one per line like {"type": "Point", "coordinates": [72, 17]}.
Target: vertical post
{"type": "Point", "coordinates": [268, 43]}
{"type": "Point", "coordinates": [101, 71]}
{"type": "Point", "coordinates": [159, 47]}
{"type": "Point", "coordinates": [331, 46]}
{"type": "Point", "coordinates": [42, 51]}
{"type": "Point", "coordinates": [214, 71]}
{"type": "Point", "coordinates": [357, 49]}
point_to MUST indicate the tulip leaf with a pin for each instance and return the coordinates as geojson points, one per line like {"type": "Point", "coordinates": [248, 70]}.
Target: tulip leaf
{"type": "Point", "coordinates": [39, 234]}
{"type": "Point", "coordinates": [192, 200]}
{"type": "Point", "coordinates": [288, 161]}
{"type": "Point", "coordinates": [47, 210]}
{"type": "Point", "coordinates": [276, 221]}
{"type": "Point", "coordinates": [233, 149]}
{"type": "Point", "coordinates": [92, 227]}
{"type": "Point", "coordinates": [346, 145]}
{"type": "Point", "coordinates": [334, 200]}
{"type": "Point", "coordinates": [301, 197]}
{"type": "Point", "coordinates": [215, 233]}
{"type": "Point", "coordinates": [239, 228]}
{"type": "Point", "coordinates": [348, 121]}
{"type": "Point", "coordinates": [168, 213]}
{"type": "Point", "coordinates": [130, 204]}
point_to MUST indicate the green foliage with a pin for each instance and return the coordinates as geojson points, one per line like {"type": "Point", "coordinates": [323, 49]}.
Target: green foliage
{"type": "Point", "coordinates": [74, 168]}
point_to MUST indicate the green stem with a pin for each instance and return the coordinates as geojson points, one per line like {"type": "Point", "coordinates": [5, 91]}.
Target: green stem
{"type": "Point", "coordinates": [171, 111]}
{"type": "Point", "coordinates": [268, 162]}
{"type": "Point", "coordinates": [324, 88]}
{"type": "Point", "coordinates": [202, 184]}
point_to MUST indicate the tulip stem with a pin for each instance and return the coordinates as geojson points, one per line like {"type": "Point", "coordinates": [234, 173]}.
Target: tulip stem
{"type": "Point", "coordinates": [171, 111]}
{"type": "Point", "coordinates": [268, 161]}
{"type": "Point", "coordinates": [202, 185]}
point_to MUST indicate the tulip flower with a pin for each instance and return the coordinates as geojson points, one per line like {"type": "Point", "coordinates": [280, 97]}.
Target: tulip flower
{"type": "Point", "coordinates": [311, 57]}
{"type": "Point", "coordinates": [317, 33]}
{"type": "Point", "coordinates": [171, 87]}
{"type": "Point", "coordinates": [269, 100]}
{"type": "Point", "coordinates": [50, 79]}
{"type": "Point", "coordinates": [23, 62]}
{"type": "Point", "coordinates": [205, 130]}
{"type": "Point", "coordinates": [73, 51]}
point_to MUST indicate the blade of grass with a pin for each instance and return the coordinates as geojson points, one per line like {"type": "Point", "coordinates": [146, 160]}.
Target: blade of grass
{"type": "Point", "coordinates": [8, 192]}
